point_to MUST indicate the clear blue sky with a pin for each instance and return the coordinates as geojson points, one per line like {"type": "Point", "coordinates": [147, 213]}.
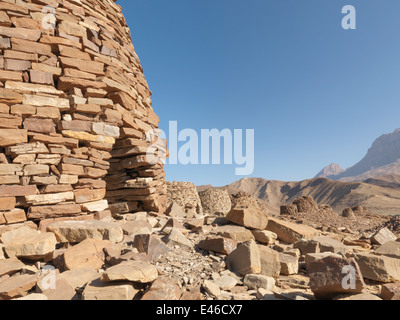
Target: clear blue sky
{"type": "Point", "coordinates": [313, 92]}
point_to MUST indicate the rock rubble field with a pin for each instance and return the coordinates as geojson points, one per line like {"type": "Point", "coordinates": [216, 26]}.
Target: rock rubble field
{"type": "Point", "coordinates": [240, 254]}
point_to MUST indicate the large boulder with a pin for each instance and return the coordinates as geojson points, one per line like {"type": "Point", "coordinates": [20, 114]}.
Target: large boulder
{"type": "Point", "coordinates": [87, 254]}
{"type": "Point", "coordinates": [389, 249]}
{"type": "Point", "coordinates": [237, 233]}
{"type": "Point", "coordinates": [270, 263]}
{"type": "Point", "coordinates": [220, 245]}
{"type": "Point", "coordinates": [245, 259]}
{"type": "Point", "coordinates": [248, 217]}
{"type": "Point", "coordinates": [382, 236]}
{"type": "Point", "coordinates": [311, 257]}
{"type": "Point", "coordinates": [290, 232]}
{"type": "Point", "coordinates": [28, 243]}
{"type": "Point", "coordinates": [289, 264]}
{"type": "Point", "coordinates": [328, 277]}
{"type": "Point", "coordinates": [321, 244]}
{"type": "Point", "coordinates": [264, 236]}
{"type": "Point", "coordinates": [378, 268]}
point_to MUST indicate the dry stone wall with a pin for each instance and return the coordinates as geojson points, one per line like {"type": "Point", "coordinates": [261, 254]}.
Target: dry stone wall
{"type": "Point", "coordinates": [74, 112]}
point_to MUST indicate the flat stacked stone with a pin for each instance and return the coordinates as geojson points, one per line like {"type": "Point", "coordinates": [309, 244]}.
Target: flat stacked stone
{"type": "Point", "coordinates": [75, 113]}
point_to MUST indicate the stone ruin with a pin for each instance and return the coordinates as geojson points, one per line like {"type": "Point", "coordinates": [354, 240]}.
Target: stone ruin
{"type": "Point", "coordinates": [74, 112]}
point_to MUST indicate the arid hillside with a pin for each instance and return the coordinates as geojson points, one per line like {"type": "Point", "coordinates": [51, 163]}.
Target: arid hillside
{"type": "Point", "coordinates": [340, 195]}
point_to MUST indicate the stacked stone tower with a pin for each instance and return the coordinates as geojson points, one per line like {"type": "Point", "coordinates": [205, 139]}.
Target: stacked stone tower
{"type": "Point", "coordinates": [74, 112]}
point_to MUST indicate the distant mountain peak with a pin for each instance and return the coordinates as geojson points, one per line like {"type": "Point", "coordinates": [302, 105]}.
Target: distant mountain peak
{"type": "Point", "coordinates": [382, 158]}
{"type": "Point", "coordinates": [332, 170]}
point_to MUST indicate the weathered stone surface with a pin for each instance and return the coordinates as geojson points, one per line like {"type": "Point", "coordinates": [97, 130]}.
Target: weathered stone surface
{"type": "Point", "coordinates": [237, 233]}
{"type": "Point", "coordinates": [151, 245]}
{"type": "Point", "coordinates": [10, 266]}
{"type": "Point", "coordinates": [39, 125]}
{"type": "Point", "coordinates": [378, 268]}
{"type": "Point", "coordinates": [270, 263]}
{"type": "Point", "coordinates": [250, 218]}
{"type": "Point", "coordinates": [36, 169]}
{"type": "Point", "coordinates": [390, 291]}
{"type": "Point", "coordinates": [95, 206]}
{"type": "Point", "coordinates": [135, 271]}
{"type": "Point", "coordinates": [131, 228]}
{"type": "Point", "coordinates": [176, 211]}
{"type": "Point", "coordinates": [256, 281]}
{"type": "Point", "coordinates": [245, 259]}
{"type": "Point", "coordinates": [163, 289]}
{"type": "Point", "coordinates": [9, 137]}
{"type": "Point", "coordinates": [62, 291]}
{"type": "Point", "coordinates": [87, 254]}
{"type": "Point", "coordinates": [78, 278]}
{"type": "Point", "coordinates": [14, 216]}
{"type": "Point", "coordinates": [77, 231]}
{"type": "Point", "coordinates": [382, 236]}
{"type": "Point", "coordinates": [51, 198]}
{"type": "Point", "coordinates": [311, 257]}
{"type": "Point", "coordinates": [21, 33]}
{"type": "Point", "coordinates": [18, 191]}
{"type": "Point", "coordinates": [290, 232]}
{"type": "Point", "coordinates": [89, 195]}
{"type": "Point", "coordinates": [183, 193]}
{"type": "Point", "coordinates": [27, 243]}
{"type": "Point", "coordinates": [226, 282]}
{"type": "Point", "coordinates": [194, 223]}
{"type": "Point", "coordinates": [45, 212]}
{"type": "Point", "coordinates": [192, 294]}
{"type": "Point", "coordinates": [211, 288]}
{"type": "Point", "coordinates": [220, 245]}
{"type": "Point", "coordinates": [321, 244]}
{"type": "Point", "coordinates": [172, 223]}
{"type": "Point", "coordinates": [98, 290]}
{"type": "Point", "coordinates": [177, 238]}
{"type": "Point", "coordinates": [123, 207]}
{"type": "Point", "coordinates": [389, 249]}
{"type": "Point", "coordinates": [327, 277]}
{"type": "Point", "coordinates": [289, 264]}
{"type": "Point", "coordinates": [16, 286]}
{"type": "Point", "coordinates": [264, 236]}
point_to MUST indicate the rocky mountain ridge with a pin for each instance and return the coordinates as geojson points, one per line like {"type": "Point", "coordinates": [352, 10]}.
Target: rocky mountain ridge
{"type": "Point", "coordinates": [382, 158]}
{"type": "Point", "coordinates": [379, 199]}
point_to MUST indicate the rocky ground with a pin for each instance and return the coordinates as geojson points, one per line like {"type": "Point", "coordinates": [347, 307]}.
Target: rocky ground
{"type": "Point", "coordinates": [208, 246]}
